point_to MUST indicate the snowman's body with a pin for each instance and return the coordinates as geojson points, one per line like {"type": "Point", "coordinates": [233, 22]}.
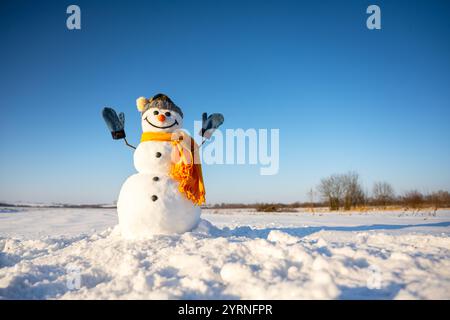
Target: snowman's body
{"type": "Point", "coordinates": [150, 202]}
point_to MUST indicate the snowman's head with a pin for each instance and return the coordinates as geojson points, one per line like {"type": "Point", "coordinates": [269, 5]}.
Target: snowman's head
{"type": "Point", "coordinates": [159, 114]}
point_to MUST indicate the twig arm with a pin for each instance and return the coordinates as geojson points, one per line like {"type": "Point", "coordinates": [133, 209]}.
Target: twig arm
{"type": "Point", "coordinates": [129, 145]}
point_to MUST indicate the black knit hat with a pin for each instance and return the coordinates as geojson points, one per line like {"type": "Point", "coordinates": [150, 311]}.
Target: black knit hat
{"type": "Point", "coordinates": [159, 101]}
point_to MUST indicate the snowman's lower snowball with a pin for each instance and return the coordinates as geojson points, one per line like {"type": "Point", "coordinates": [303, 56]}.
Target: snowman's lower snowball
{"type": "Point", "coordinates": [140, 216]}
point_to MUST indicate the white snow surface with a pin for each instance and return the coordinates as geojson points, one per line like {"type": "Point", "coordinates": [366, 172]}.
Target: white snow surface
{"type": "Point", "coordinates": [232, 254]}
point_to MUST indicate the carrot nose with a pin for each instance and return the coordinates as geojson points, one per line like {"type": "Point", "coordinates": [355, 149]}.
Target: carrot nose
{"type": "Point", "coordinates": [161, 117]}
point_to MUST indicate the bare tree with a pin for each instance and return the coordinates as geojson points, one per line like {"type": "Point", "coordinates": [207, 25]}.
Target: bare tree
{"type": "Point", "coordinates": [439, 199]}
{"type": "Point", "coordinates": [311, 199]}
{"type": "Point", "coordinates": [383, 193]}
{"type": "Point", "coordinates": [352, 190]}
{"type": "Point", "coordinates": [342, 189]}
{"type": "Point", "coordinates": [413, 199]}
{"type": "Point", "coordinates": [331, 190]}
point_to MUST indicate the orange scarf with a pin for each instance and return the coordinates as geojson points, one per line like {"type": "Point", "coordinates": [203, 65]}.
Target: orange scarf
{"type": "Point", "coordinates": [185, 170]}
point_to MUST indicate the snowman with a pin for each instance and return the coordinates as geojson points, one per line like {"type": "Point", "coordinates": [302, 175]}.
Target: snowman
{"type": "Point", "coordinates": [165, 194]}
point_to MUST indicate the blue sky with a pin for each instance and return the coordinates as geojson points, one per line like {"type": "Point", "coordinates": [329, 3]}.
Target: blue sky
{"type": "Point", "coordinates": [344, 97]}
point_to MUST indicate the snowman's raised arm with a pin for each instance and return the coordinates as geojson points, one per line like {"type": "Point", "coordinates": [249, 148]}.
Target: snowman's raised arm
{"type": "Point", "coordinates": [210, 124]}
{"type": "Point", "coordinates": [116, 124]}
{"type": "Point", "coordinates": [129, 145]}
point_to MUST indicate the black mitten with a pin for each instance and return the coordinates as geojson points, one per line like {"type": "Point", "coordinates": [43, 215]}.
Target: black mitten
{"type": "Point", "coordinates": [116, 124]}
{"type": "Point", "coordinates": [211, 123]}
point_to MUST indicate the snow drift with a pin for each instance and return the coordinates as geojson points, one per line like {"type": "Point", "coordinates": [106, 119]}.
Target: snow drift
{"type": "Point", "coordinates": [243, 255]}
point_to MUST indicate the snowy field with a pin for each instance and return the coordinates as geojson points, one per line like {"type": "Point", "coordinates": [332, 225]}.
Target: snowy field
{"type": "Point", "coordinates": [233, 254]}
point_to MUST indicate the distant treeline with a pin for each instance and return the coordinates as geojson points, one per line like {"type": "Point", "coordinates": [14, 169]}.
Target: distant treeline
{"type": "Point", "coordinates": [262, 207]}
{"type": "Point", "coordinates": [345, 192]}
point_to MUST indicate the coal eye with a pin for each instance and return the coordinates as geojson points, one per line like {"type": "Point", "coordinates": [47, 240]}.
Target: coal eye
{"type": "Point", "coordinates": [168, 114]}
{"type": "Point", "coordinates": [155, 112]}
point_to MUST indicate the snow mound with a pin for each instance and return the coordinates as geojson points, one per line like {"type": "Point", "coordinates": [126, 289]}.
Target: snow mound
{"type": "Point", "coordinates": [221, 263]}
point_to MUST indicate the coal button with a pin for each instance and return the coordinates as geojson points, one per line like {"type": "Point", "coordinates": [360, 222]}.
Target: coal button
{"type": "Point", "coordinates": [158, 154]}
{"type": "Point", "coordinates": [155, 178]}
{"type": "Point", "coordinates": [154, 198]}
